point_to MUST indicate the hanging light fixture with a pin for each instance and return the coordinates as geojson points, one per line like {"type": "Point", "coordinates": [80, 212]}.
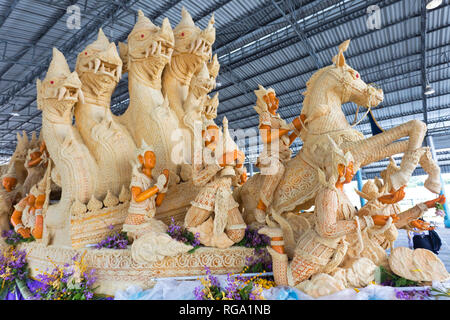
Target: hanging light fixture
{"type": "Point", "coordinates": [429, 89]}
{"type": "Point", "coordinates": [432, 4]}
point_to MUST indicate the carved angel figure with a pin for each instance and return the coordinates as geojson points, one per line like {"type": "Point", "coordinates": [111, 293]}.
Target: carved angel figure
{"type": "Point", "coordinates": [146, 195]}
{"type": "Point", "coordinates": [35, 163]}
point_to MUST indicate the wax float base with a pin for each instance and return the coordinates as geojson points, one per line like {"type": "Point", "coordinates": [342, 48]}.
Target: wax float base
{"type": "Point", "coordinates": [116, 270]}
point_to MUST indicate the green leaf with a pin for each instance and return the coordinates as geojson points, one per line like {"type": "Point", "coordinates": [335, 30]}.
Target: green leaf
{"type": "Point", "coordinates": [380, 275]}
{"type": "Point", "coordinates": [77, 296]}
{"type": "Point", "coordinates": [23, 289]}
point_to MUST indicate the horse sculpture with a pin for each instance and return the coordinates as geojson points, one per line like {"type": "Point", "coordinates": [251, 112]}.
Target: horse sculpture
{"type": "Point", "coordinates": [327, 90]}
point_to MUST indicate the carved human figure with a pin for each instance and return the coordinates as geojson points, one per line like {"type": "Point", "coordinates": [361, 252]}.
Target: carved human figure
{"type": "Point", "coordinates": [321, 248]}
{"type": "Point", "coordinates": [36, 163]}
{"type": "Point", "coordinates": [99, 68]}
{"type": "Point", "coordinates": [145, 195]}
{"type": "Point", "coordinates": [275, 135]}
{"type": "Point", "coordinates": [9, 195]}
{"type": "Point", "coordinates": [381, 204]}
{"type": "Point", "coordinates": [27, 217]}
{"type": "Point", "coordinates": [214, 214]}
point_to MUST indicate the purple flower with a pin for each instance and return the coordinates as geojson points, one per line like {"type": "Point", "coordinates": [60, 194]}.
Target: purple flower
{"type": "Point", "coordinates": [117, 240]}
{"type": "Point", "coordinates": [413, 294]}
{"type": "Point", "coordinates": [198, 293]}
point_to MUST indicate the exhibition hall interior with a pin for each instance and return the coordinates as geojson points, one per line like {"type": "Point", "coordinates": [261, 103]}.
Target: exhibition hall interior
{"type": "Point", "coordinates": [224, 150]}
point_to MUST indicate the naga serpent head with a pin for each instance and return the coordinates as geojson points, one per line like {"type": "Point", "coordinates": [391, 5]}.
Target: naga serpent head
{"type": "Point", "coordinates": [210, 108]}
{"type": "Point", "coordinates": [201, 84]}
{"type": "Point", "coordinates": [99, 65]}
{"type": "Point", "coordinates": [60, 89]}
{"type": "Point", "coordinates": [192, 43]}
{"type": "Point", "coordinates": [149, 48]}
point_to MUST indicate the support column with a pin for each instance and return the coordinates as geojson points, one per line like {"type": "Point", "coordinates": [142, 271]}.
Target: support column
{"type": "Point", "coordinates": [430, 143]}
{"type": "Point", "coordinates": [247, 151]}
{"type": "Point", "coordinates": [360, 185]}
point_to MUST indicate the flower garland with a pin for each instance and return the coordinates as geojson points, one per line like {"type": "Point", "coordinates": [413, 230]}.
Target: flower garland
{"type": "Point", "coordinates": [420, 294]}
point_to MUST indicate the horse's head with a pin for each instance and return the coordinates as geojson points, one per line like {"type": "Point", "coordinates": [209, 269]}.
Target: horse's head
{"type": "Point", "coordinates": [349, 83]}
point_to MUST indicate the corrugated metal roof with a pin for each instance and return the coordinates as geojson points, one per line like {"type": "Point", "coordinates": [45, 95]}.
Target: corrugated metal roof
{"type": "Point", "coordinates": [256, 44]}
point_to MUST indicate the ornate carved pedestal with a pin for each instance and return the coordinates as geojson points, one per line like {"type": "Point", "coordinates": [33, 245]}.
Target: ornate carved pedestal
{"type": "Point", "coordinates": [116, 270]}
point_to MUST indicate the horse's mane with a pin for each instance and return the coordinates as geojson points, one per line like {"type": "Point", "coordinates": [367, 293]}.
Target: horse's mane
{"type": "Point", "coordinates": [311, 83]}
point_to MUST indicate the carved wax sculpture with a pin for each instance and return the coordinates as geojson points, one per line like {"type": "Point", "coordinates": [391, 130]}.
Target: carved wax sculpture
{"type": "Point", "coordinates": [27, 217]}
{"type": "Point", "coordinates": [381, 205]}
{"type": "Point", "coordinates": [201, 84]}
{"type": "Point", "coordinates": [214, 214]}
{"type": "Point", "coordinates": [9, 194]}
{"type": "Point", "coordinates": [100, 68]}
{"type": "Point", "coordinates": [56, 96]}
{"type": "Point", "coordinates": [193, 47]}
{"type": "Point", "coordinates": [322, 247]}
{"type": "Point", "coordinates": [148, 117]}
{"type": "Point", "coordinates": [36, 164]}
{"type": "Point", "coordinates": [19, 157]}
{"type": "Point", "coordinates": [274, 132]}
{"type": "Point", "coordinates": [419, 265]}
{"type": "Point", "coordinates": [327, 90]}
{"type": "Point", "coordinates": [145, 195]}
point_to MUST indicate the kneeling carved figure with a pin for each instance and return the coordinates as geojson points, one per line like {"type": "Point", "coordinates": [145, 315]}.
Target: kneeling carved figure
{"type": "Point", "coordinates": [146, 195]}
{"type": "Point", "coordinates": [216, 173]}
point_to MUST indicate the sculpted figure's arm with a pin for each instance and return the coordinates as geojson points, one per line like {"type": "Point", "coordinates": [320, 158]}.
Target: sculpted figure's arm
{"type": "Point", "coordinates": [202, 174]}
{"type": "Point", "coordinates": [39, 224]}
{"type": "Point", "coordinates": [35, 159]}
{"type": "Point", "coordinates": [410, 216]}
{"type": "Point", "coordinates": [297, 124]}
{"type": "Point", "coordinates": [139, 195]}
{"type": "Point", "coordinates": [16, 219]}
{"type": "Point", "coordinates": [326, 211]}
{"type": "Point", "coordinates": [268, 135]}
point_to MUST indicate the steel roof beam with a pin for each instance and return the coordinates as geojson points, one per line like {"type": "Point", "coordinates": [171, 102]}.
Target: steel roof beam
{"type": "Point", "coordinates": [303, 38]}
{"type": "Point", "coordinates": [37, 39]}
{"type": "Point", "coordinates": [291, 38]}
{"type": "Point", "coordinates": [290, 91]}
{"type": "Point", "coordinates": [297, 59]}
{"type": "Point", "coordinates": [423, 62]}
